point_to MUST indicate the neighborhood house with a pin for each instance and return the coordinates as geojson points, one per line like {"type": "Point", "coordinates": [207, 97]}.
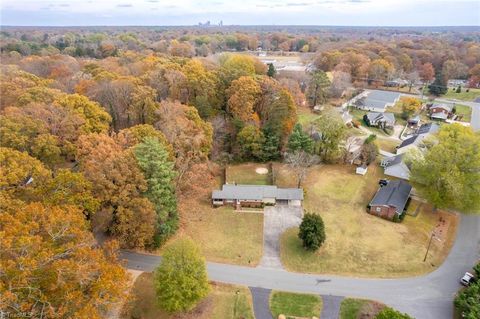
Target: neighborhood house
{"type": "Point", "coordinates": [381, 120]}
{"type": "Point", "coordinates": [256, 196]}
{"type": "Point", "coordinates": [390, 200]}
{"type": "Point", "coordinates": [440, 111]}
{"type": "Point", "coordinates": [374, 100]}
{"type": "Point", "coordinates": [395, 166]}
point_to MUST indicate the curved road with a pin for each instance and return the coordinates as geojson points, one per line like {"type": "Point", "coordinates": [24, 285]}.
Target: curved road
{"type": "Point", "coordinates": [424, 297]}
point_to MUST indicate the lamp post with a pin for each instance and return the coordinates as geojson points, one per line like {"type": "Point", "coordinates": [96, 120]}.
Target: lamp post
{"type": "Point", "coordinates": [429, 244]}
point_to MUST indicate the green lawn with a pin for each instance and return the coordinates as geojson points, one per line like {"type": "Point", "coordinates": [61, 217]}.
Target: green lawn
{"type": "Point", "coordinates": [247, 174]}
{"type": "Point", "coordinates": [471, 95]}
{"type": "Point", "coordinates": [360, 244]}
{"type": "Point", "coordinates": [358, 115]}
{"type": "Point", "coordinates": [464, 110]}
{"type": "Point", "coordinates": [387, 145]}
{"type": "Point", "coordinates": [223, 302]}
{"type": "Point", "coordinates": [351, 308]}
{"type": "Point", "coordinates": [306, 116]}
{"type": "Point", "coordinates": [225, 235]}
{"type": "Point", "coordinates": [292, 304]}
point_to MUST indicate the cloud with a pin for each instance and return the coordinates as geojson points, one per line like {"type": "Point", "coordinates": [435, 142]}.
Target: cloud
{"type": "Point", "coordinates": [64, 5]}
{"type": "Point", "coordinates": [301, 4]}
{"type": "Point", "coordinates": [153, 1]}
{"type": "Point", "coordinates": [124, 5]}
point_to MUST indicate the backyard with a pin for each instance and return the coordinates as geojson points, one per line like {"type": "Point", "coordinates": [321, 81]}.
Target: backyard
{"type": "Point", "coordinates": [361, 244]}
{"type": "Point", "coordinates": [222, 302]}
{"type": "Point", "coordinates": [249, 173]}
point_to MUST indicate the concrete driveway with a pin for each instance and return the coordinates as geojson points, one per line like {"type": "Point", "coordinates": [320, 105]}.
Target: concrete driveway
{"type": "Point", "coordinates": [276, 220]}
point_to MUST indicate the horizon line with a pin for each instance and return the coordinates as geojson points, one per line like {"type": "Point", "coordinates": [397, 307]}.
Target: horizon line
{"type": "Point", "coordinates": [244, 25]}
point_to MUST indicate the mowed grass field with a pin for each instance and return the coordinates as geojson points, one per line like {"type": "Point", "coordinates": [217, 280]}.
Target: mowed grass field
{"type": "Point", "coordinates": [471, 95]}
{"type": "Point", "coordinates": [360, 244]}
{"type": "Point", "coordinates": [223, 302]}
{"type": "Point", "coordinates": [465, 111]}
{"type": "Point", "coordinates": [247, 174]}
{"type": "Point", "coordinates": [226, 236]}
{"type": "Point", "coordinates": [293, 304]}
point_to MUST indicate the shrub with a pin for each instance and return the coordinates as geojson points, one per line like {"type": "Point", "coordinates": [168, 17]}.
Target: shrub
{"type": "Point", "coordinates": [389, 313]}
{"type": "Point", "coordinates": [312, 231]}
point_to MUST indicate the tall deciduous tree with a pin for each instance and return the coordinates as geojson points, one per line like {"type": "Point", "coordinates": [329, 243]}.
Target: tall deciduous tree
{"type": "Point", "coordinates": [330, 132]}
{"type": "Point", "coordinates": [448, 175]}
{"type": "Point", "coordinates": [181, 279]}
{"type": "Point", "coordinates": [250, 140]}
{"type": "Point", "coordinates": [300, 161]}
{"type": "Point", "coordinates": [51, 268]}
{"type": "Point", "coordinates": [158, 169]}
{"type": "Point", "coordinates": [318, 88]}
{"type": "Point", "coordinates": [243, 93]}
{"type": "Point", "coordinates": [118, 183]}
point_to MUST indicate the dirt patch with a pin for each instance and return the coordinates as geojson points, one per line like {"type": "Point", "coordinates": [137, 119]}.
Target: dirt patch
{"type": "Point", "coordinates": [370, 310]}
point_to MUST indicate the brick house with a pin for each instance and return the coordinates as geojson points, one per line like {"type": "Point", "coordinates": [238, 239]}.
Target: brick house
{"type": "Point", "coordinates": [256, 196]}
{"type": "Point", "coordinates": [390, 200]}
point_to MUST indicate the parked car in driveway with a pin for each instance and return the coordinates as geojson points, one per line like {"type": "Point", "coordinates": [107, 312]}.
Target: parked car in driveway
{"type": "Point", "coordinates": [467, 279]}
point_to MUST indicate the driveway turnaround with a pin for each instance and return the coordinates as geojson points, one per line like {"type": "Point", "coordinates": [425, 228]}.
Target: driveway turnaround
{"type": "Point", "coordinates": [424, 297]}
{"type": "Point", "coordinates": [261, 302]}
{"type": "Point", "coordinates": [276, 220]}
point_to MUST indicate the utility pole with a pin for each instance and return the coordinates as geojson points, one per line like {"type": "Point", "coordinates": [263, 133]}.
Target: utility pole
{"type": "Point", "coordinates": [429, 244]}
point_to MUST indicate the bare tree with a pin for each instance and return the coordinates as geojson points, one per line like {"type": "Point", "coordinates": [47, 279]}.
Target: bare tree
{"type": "Point", "coordinates": [300, 161]}
{"type": "Point", "coordinates": [340, 82]}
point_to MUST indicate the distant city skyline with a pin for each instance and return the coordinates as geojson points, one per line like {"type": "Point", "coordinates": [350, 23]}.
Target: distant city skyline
{"type": "Point", "coordinates": [245, 12]}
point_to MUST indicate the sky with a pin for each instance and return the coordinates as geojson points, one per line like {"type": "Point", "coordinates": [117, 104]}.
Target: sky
{"type": "Point", "coordinates": [241, 12]}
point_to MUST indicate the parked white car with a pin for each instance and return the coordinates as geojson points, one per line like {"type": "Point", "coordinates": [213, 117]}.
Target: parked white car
{"type": "Point", "coordinates": [467, 279]}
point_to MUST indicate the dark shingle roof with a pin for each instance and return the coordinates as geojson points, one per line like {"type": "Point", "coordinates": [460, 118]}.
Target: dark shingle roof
{"type": "Point", "coordinates": [376, 116]}
{"type": "Point", "coordinates": [395, 193]}
{"type": "Point", "coordinates": [256, 192]}
{"type": "Point", "coordinates": [408, 141]}
{"type": "Point", "coordinates": [394, 160]}
{"type": "Point", "coordinates": [428, 128]}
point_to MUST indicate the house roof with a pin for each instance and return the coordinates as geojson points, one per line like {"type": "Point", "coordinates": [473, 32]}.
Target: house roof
{"type": "Point", "coordinates": [376, 116]}
{"type": "Point", "coordinates": [410, 140]}
{"type": "Point", "coordinates": [257, 192]}
{"type": "Point", "coordinates": [376, 99]}
{"type": "Point", "coordinates": [439, 115]}
{"type": "Point", "coordinates": [442, 106]}
{"type": "Point", "coordinates": [395, 193]}
{"type": "Point", "coordinates": [428, 128]}
{"type": "Point", "coordinates": [391, 161]}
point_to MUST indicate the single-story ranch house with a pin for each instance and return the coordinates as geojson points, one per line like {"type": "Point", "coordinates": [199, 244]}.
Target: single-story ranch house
{"type": "Point", "coordinates": [256, 196]}
{"type": "Point", "coordinates": [375, 100]}
{"type": "Point", "coordinates": [390, 200]}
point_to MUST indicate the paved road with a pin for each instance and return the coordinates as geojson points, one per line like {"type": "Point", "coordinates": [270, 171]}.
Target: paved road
{"type": "Point", "coordinates": [424, 297]}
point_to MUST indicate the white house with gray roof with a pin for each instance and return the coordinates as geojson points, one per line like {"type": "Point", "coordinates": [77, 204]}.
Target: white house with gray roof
{"type": "Point", "coordinates": [375, 100]}
{"type": "Point", "coordinates": [256, 195]}
{"type": "Point", "coordinates": [395, 166]}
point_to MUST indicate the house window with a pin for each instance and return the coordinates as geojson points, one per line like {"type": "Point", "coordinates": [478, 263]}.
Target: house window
{"type": "Point", "coordinates": [378, 209]}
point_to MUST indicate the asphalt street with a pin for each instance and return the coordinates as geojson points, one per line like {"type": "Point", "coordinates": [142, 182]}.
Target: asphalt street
{"type": "Point", "coordinates": [424, 297]}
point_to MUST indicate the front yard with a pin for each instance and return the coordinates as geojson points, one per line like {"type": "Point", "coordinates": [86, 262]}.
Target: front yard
{"type": "Point", "coordinates": [293, 304]}
{"type": "Point", "coordinates": [360, 244]}
{"type": "Point", "coordinates": [471, 95]}
{"type": "Point", "coordinates": [224, 235]}
{"type": "Point", "coordinates": [222, 302]}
